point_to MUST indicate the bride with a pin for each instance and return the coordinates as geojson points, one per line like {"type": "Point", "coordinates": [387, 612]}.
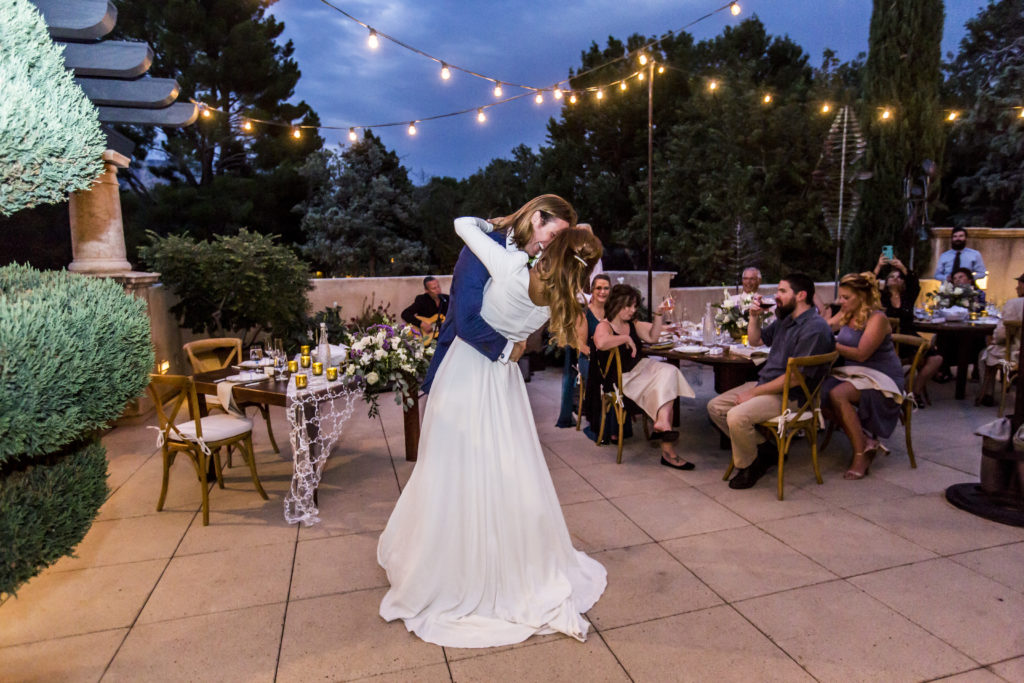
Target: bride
{"type": "Point", "coordinates": [476, 550]}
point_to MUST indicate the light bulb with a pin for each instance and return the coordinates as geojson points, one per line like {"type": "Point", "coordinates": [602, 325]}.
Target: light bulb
{"type": "Point", "coordinates": [412, 128]}
{"type": "Point", "coordinates": [445, 72]}
{"type": "Point", "coordinates": [886, 114]}
{"type": "Point", "coordinates": [497, 90]}
{"type": "Point", "coordinates": [352, 134]}
{"type": "Point", "coordinates": [952, 116]}
{"type": "Point", "coordinates": [247, 125]}
{"type": "Point", "coordinates": [767, 99]}
{"type": "Point", "coordinates": [661, 69]}
{"type": "Point", "coordinates": [734, 7]}
{"type": "Point", "coordinates": [1021, 115]}
{"type": "Point", "coordinates": [825, 108]}
{"type": "Point", "coordinates": [712, 85]}
{"type": "Point", "coordinates": [480, 115]}
{"type": "Point", "coordinates": [643, 59]}
{"type": "Point", "coordinates": [539, 99]}
{"type": "Point", "coordinates": [205, 111]}
{"type": "Point", "coordinates": [572, 100]}
{"type": "Point", "coordinates": [640, 76]}
{"type": "Point", "coordinates": [600, 94]}
{"type": "Point", "coordinates": [622, 85]}
{"type": "Point", "coordinates": [373, 41]}
{"type": "Point", "coordinates": [557, 93]}
{"type": "Point", "coordinates": [296, 133]}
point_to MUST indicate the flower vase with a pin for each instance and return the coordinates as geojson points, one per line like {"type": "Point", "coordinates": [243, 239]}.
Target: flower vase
{"type": "Point", "coordinates": [735, 334]}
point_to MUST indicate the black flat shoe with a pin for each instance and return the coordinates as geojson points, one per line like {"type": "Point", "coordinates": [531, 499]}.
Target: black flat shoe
{"type": "Point", "coordinates": [684, 466]}
{"type": "Point", "coordinates": [669, 436]}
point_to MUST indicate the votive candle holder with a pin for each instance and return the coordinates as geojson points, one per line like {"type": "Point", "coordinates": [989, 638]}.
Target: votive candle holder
{"type": "Point", "coordinates": [318, 368]}
{"type": "Point", "coordinates": [305, 360]}
{"type": "Point", "coordinates": [293, 366]}
{"type": "Point", "coordinates": [304, 349]}
{"type": "Point", "coordinates": [332, 374]}
{"type": "Point", "coordinates": [300, 381]}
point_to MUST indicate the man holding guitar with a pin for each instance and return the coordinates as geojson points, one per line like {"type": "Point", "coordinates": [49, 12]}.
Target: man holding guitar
{"type": "Point", "coordinates": [429, 309]}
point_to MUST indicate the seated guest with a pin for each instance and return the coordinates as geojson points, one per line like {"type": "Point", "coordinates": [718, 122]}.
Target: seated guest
{"type": "Point", "coordinates": [751, 279]}
{"type": "Point", "coordinates": [960, 256]}
{"type": "Point", "coordinates": [899, 293]}
{"type": "Point", "coordinates": [963, 277]}
{"type": "Point", "coordinates": [798, 330]}
{"type": "Point", "coordinates": [994, 354]}
{"type": "Point", "coordinates": [651, 384]}
{"type": "Point", "coordinates": [864, 392]}
{"type": "Point", "coordinates": [429, 309]}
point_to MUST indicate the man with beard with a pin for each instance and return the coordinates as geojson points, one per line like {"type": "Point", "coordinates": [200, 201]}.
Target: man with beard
{"type": "Point", "coordinates": [960, 256]}
{"type": "Point", "coordinates": [798, 331]}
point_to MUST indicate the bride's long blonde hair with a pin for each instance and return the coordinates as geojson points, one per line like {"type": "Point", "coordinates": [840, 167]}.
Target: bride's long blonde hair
{"type": "Point", "coordinates": [520, 223]}
{"type": "Point", "coordinates": [564, 270]}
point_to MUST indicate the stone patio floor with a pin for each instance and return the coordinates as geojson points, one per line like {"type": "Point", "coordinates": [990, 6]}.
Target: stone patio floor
{"type": "Point", "coordinates": [879, 579]}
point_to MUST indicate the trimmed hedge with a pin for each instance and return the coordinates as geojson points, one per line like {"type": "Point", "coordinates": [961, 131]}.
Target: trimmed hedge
{"type": "Point", "coordinates": [73, 350]}
{"type": "Point", "coordinates": [46, 510]}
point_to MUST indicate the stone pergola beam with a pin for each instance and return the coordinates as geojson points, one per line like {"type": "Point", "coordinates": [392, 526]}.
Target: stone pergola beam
{"type": "Point", "coordinates": [111, 59]}
{"type": "Point", "coordinates": [147, 93]}
{"type": "Point", "coordinates": [81, 20]}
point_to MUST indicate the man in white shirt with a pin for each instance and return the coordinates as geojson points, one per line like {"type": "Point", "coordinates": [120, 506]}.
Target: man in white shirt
{"type": "Point", "coordinates": [960, 256]}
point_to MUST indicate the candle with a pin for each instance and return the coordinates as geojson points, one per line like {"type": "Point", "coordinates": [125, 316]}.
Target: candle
{"type": "Point", "coordinates": [304, 360]}
{"type": "Point", "coordinates": [300, 381]}
{"type": "Point", "coordinates": [318, 368]}
{"type": "Point", "coordinates": [304, 349]}
{"type": "Point", "coordinates": [332, 374]}
{"type": "Point", "coordinates": [293, 366]}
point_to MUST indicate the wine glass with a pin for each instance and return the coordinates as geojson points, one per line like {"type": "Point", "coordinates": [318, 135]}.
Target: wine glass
{"type": "Point", "coordinates": [256, 353]}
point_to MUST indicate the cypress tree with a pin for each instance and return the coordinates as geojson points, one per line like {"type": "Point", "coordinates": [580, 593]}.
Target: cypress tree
{"type": "Point", "coordinates": [903, 74]}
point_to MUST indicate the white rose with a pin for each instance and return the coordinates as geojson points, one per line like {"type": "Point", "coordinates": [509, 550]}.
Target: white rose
{"type": "Point", "coordinates": [372, 378]}
{"type": "Point", "coordinates": [365, 359]}
{"type": "Point", "coordinates": [379, 354]}
{"type": "Point", "coordinates": [350, 370]}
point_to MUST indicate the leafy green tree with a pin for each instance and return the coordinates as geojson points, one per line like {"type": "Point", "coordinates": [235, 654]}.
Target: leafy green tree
{"type": "Point", "coordinates": [243, 284]}
{"type": "Point", "coordinates": [903, 74]}
{"type": "Point", "coordinates": [359, 218]}
{"type": "Point", "coordinates": [50, 138]}
{"type": "Point", "coordinates": [438, 203]}
{"type": "Point", "coordinates": [225, 54]}
{"type": "Point", "coordinates": [987, 148]}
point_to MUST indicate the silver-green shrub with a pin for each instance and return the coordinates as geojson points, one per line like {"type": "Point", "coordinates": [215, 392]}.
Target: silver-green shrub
{"type": "Point", "coordinates": [73, 350]}
{"type": "Point", "coordinates": [50, 138]}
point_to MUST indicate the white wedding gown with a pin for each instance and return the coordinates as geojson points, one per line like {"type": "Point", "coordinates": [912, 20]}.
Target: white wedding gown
{"type": "Point", "coordinates": [476, 550]}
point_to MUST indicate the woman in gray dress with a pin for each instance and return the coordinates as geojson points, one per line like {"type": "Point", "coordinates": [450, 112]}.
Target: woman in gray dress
{"type": "Point", "coordinates": [865, 391]}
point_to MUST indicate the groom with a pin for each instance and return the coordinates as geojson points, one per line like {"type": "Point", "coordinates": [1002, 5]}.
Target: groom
{"type": "Point", "coordinates": [467, 294]}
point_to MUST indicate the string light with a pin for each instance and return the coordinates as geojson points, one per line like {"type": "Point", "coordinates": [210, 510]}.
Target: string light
{"type": "Point", "coordinates": [661, 69]}
{"type": "Point", "coordinates": [1021, 115]}
{"type": "Point", "coordinates": [826, 108]}
{"type": "Point", "coordinates": [373, 41]}
{"type": "Point", "coordinates": [557, 93]}
{"type": "Point", "coordinates": [600, 94]}
{"type": "Point", "coordinates": [247, 125]}
{"type": "Point", "coordinates": [734, 7]}
{"type": "Point", "coordinates": [952, 116]}
{"type": "Point", "coordinates": [622, 85]}
{"type": "Point", "coordinates": [445, 71]}
{"type": "Point", "coordinates": [296, 133]}
{"type": "Point", "coordinates": [572, 100]}
{"type": "Point", "coordinates": [643, 59]}
{"type": "Point", "coordinates": [539, 99]}
{"type": "Point", "coordinates": [712, 85]}
{"type": "Point", "coordinates": [480, 115]}
{"type": "Point", "coordinates": [205, 111]}
{"type": "Point", "coordinates": [497, 90]}
{"type": "Point", "coordinates": [886, 114]}
{"type": "Point", "coordinates": [352, 134]}
{"type": "Point", "coordinates": [412, 128]}
{"type": "Point", "coordinates": [767, 99]}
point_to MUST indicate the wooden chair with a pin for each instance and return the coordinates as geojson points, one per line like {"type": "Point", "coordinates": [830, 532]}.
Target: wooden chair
{"type": "Point", "coordinates": [894, 323]}
{"type": "Point", "coordinates": [198, 437]}
{"type": "Point", "coordinates": [217, 353]}
{"type": "Point", "coordinates": [1008, 368]}
{"type": "Point", "coordinates": [789, 422]}
{"type": "Point", "coordinates": [612, 398]}
{"type": "Point", "coordinates": [907, 407]}
{"type": "Point", "coordinates": [582, 391]}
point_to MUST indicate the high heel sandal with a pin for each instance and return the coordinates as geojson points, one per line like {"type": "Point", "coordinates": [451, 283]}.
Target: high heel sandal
{"type": "Point", "coordinates": [852, 474]}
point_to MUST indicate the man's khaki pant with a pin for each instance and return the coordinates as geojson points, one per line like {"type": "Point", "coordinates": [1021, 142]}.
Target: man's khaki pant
{"type": "Point", "coordinates": [739, 421]}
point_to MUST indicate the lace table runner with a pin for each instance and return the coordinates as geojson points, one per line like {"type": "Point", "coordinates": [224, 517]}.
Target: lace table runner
{"type": "Point", "coordinates": [316, 416]}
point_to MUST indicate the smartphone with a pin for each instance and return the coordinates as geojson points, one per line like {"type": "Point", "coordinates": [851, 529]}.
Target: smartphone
{"type": "Point", "coordinates": [887, 252]}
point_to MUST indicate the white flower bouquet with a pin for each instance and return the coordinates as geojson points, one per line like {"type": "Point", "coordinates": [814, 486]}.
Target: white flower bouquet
{"type": "Point", "coordinates": [950, 296]}
{"type": "Point", "coordinates": [387, 358]}
{"type": "Point", "coordinates": [734, 313]}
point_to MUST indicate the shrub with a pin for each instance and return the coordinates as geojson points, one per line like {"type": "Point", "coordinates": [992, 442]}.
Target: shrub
{"type": "Point", "coordinates": [50, 138]}
{"type": "Point", "coordinates": [243, 285]}
{"type": "Point", "coordinates": [73, 351]}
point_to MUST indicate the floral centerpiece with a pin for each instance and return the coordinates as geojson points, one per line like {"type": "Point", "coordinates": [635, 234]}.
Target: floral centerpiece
{"type": "Point", "coordinates": [734, 313]}
{"type": "Point", "coordinates": [950, 295]}
{"type": "Point", "coordinates": [387, 358]}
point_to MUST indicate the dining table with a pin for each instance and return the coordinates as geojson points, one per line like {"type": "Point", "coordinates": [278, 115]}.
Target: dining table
{"type": "Point", "coordinates": [963, 336]}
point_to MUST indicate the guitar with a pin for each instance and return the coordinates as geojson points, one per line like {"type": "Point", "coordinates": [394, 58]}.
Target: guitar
{"type": "Point", "coordinates": [434, 320]}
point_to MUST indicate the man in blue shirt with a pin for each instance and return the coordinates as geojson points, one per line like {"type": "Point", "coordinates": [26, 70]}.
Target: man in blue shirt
{"type": "Point", "coordinates": [960, 256]}
{"type": "Point", "coordinates": [798, 330]}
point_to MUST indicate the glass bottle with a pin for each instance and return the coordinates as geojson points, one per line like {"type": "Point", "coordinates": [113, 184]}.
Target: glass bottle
{"type": "Point", "coordinates": [323, 349]}
{"type": "Point", "coordinates": [708, 326]}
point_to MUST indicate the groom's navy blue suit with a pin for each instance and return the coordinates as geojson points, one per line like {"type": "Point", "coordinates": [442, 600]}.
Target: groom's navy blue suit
{"type": "Point", "coordinates": [464, 319]}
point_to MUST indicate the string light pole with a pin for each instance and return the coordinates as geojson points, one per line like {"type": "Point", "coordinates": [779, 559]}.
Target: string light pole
{"type": "Point", "coordinates": [650, 185]}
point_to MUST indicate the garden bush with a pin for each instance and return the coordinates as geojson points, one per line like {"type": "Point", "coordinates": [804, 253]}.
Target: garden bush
{"type": "Point", "coordinates": [73, 351]}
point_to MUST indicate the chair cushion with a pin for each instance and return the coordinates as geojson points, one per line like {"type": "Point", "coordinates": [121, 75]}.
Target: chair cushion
{"type": "Point", "coordinates": [806, 415]}
{"type": "Point", "coordinates": [217, 427]}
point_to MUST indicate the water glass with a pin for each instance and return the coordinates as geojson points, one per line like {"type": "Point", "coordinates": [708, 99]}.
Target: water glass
{"type": "Point", "coordinates": [256, 352]}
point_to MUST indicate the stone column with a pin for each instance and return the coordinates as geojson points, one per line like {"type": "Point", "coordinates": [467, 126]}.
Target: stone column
{"type": "Point", "coordinates": [97, 233]}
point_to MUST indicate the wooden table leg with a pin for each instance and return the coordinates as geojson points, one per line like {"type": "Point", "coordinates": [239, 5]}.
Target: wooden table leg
{"type": "Point", "coordinates": [411, 420]}
{"type": "Point", "coordinates": [963, 359]}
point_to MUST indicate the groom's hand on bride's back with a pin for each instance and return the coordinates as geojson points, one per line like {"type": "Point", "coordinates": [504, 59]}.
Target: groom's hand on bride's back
{"type": "Point", "coordinates": [518, 349]}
